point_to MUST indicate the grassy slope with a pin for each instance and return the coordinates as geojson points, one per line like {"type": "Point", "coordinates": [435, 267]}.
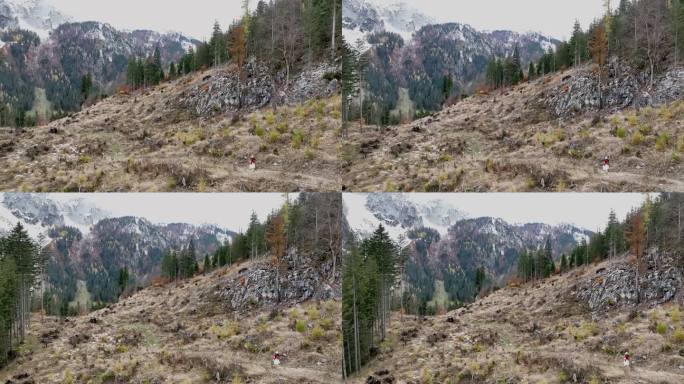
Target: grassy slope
{"type": "Point", "coordinates": [535, 334]}
{"type": "Point", "coordinates": [147, 141]}
{"type": "Point", "coordinates": [508, 142]}
{"type": "Point", "coordinates": [168, 334]}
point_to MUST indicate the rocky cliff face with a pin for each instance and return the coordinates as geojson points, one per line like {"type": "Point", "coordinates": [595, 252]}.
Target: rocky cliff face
{"type": "Point", "coordinates": [615, 287]}
{"type": "Point", "coordinates": [221, 91]}
{"type": "Point", "coordinates": [578, 92]}
{"type": "Point", "coordinates": [256, 286]}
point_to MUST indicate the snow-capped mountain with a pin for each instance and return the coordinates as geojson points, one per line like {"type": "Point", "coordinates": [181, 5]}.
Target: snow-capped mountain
{"type": "Point", "coordinates": [361, 17]}
{"type": "Point", "coordinates": [38, 211]}
{"type": "Point", "coordinates": [409, 52]}
{"type": "Point", "coordinates": [400, 214]}
{"type": "Point", "coordinates": [88, 245]}
{"type": "Point", "coordinates": [397, 214]}
{"type": "Point", "coordinates": [33, 15]}
{"type": "Point", "coordinates": [46, 54]}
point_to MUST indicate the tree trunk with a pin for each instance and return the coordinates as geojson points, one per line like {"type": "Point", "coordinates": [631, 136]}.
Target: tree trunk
{"type": "Point", "coordinates": [334, 29]}
{"type": "Point", "coordinates": [356, 330]}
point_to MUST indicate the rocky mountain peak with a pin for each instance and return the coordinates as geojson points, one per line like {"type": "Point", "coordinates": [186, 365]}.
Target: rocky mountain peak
{"type": "Point", "coordinates": [34, 15]}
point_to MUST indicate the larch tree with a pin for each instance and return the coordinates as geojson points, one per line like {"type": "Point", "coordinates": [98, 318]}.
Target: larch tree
{"type": "Point", "coordinates": [238, 53]}
{"type": "Point", "coordinates": [599, 52]}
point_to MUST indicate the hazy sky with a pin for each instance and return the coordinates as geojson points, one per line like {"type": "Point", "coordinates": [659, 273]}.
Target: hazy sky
{"type": "Point", "coordinates": [553, 18]}
{"type": "Point", "coordinates": [194, 18]}
{"type": "Point", "coordinates": [587, 210]}
{"type": "Point", "coordinates": [227, 210]}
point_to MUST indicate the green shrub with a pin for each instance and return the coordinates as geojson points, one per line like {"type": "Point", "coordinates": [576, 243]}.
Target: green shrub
{"type": "Point", "coordinates": [309, 154]}
{"type": "Point", "coordinates": [662, 141]}
{"type": "Point", "coordinates": [270, 118]}
{"type": "Point", "coordinates": [326, 324]}
{"type": "Point", "coordinates": [259, 131]}
{"type": "Point", "coordinates": [661, 328]}
{"type": "Point", "coordinates": [297, 138]}
{"type": "Point", "coordinates": [621, 132]}
{"type": "Point", "coordinates": [444, 158]}
{"type": "Point", "coordinates": [317, 333]}
{"type": "Point", "coordinates": [678, 336]}
{"type": "Point", "coordinates": [273, 136]}
{"type": "Point", "coordinates": [645, 129]}
{"type": "Point", "coordinates": [300, 326]}
{"type": "Point", "coordinates": [637, 138]}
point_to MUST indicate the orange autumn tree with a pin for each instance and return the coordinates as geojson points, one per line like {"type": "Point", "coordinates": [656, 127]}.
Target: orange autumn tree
{"type": "Point", "coordinates": [275, 238]}
{"type": "Point", "coordinates": [637, 242]}
{"type": "Point", "coordinates": [598, 46]}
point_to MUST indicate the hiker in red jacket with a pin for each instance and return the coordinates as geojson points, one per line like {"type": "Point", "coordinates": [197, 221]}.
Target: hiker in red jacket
{"type": "Point", "coordinates": [605, 164]}
{"type": "Point", "coordinates": [276, 358]}
{"type": "Point", "coordinates": [252, 162]}
{"type": "Point", "coordinates": [627, 364]}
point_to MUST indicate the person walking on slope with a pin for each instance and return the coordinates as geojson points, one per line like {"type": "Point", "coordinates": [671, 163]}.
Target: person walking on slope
{"type": "Point", "coordinates": [252, 162]}
{"type": "Point", "coordinates": [276, 359]}
{"type": "Point", "coordinates": [605, 164]}
{"type": "Point", "coordinates": [627, 364]}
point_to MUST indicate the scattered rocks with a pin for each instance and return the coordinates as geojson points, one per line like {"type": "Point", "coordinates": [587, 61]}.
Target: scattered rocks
{"type": "Point", "coordinates": [381, 377]}
{"type": "Point", "coordinates": [408, 334]}
{"type": "Point", "coordinates": [49, 336]}
{"type": "Point", "coordinates": [22, 378]}
{"type": "Point", "coordinates": [434, 338]}
{"type": "Point", "coordinates": [78, 339]}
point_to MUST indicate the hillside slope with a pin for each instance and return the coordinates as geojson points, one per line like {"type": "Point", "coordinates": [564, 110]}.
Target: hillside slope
{"type": "Point", "coordinates": [538, 136]}
{"type": "Point", "coordinates": [185, 135]}
{"type": "Point", "coordinates": [186, 332]}
{"type": "Point", "coordinates": [553, 331]}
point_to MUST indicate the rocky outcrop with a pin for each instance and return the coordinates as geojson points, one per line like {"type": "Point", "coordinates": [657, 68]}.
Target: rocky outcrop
{"type": "Point", "coordinates": [218, 93]}
{"type": "Point", "coordinates": [257, 286]}
{"type": "Point", "coordinates": [578, 93]}
{"type": "Point", "coordinates": [670, 87]}
{"type": "Point", "coordinates": [614, 287]}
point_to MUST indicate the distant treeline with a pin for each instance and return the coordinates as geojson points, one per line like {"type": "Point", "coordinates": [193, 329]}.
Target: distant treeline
{"type": "Point", "coordinates": [646, 34]}
{"type": "Point", "coordinates": [656, 223]}
{"type": "Point", "coordinates": [310, 225]}
{"type": "Point", "coordinates": [284, 34]}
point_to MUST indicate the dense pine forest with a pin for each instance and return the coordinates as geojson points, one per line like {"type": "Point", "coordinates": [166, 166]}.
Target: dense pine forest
{"type": "Point", "coordinates": [22, 266]}
{"type": "Point", "coordinates": [283, 34]}
{"type": "Point", "coordinates": [371, 269]}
